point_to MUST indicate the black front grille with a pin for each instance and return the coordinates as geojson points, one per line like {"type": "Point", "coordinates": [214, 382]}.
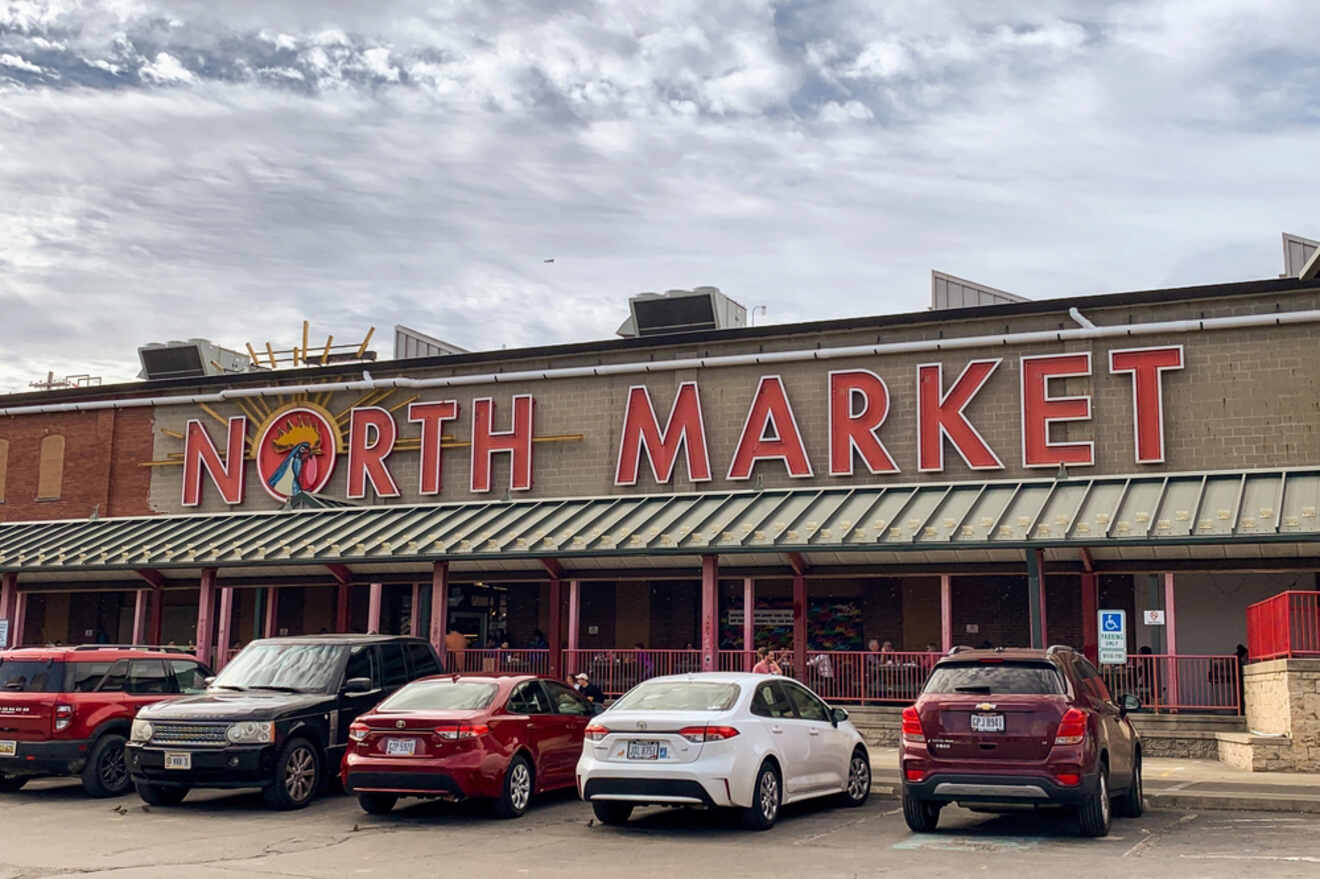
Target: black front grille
{"type": "Point", "coordinates": [203, 734]}
{"type": "Point", "coordinates": [641, 788]}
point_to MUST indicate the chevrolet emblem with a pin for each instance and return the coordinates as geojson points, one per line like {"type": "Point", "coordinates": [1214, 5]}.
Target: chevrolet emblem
{"type": "Point", "coordinates": [986, 706]}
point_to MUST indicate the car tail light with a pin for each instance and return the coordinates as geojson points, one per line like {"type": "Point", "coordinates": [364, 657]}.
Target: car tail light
{"type": "Point", "coordinates": [357, 731]}
{"type": "Point", "coordinates": [454, 732]}
{"type": "Point", "coordinates": [63, 717]}
{"type": "Point", "coordinates": [915, 774]}
{"type": "Point", "coordinates": [1072, 728]}
{"type": "Point", "coordinates": [596, 732]}
{"type": "Point", "coordinates": [912, 730]}
{"type": "Point", "coordinates": [707, 733]}
{"type": "Point", "coordinates": [1068, 779]}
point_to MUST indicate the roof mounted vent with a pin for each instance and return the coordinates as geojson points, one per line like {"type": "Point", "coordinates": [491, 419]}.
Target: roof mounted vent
{"type": "Point", "coordinates": [191, 359]}
{"type": "Point", "coordinates": [1301, 257]}
{"type": "Point", "coordinates": [682, 311]}
{"type": "Point", "coordinates": [947, 291]}
{"type": "Point", "coordinates": [409, 343]}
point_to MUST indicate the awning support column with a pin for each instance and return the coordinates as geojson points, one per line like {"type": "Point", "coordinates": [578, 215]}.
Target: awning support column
{"type": "Point", "coordinates": [373, 609]}
{"type": "Point", "coordinates": [141, 598]}
{"type": "Point", "coordinates": [710, 581]}
{"type": "Point", "coordinates": [1090, 618]}
{"type": "Point", "coordinates": [9, 602]}
{"type": "Point", "coordinates": [440, 608]}
{"type": "Point", "coordinates": [271, 623]}
{"type": "Point", "coordinates": [342, 599]}
{"type": "Point", "coordinates": [157, 626]}
{"type": "Point", "coordinates": [1171, 638]}
{"type": "Point", "coordinates": [554, 637]}
{"type": "Point", "coordinates": [1035, 598]}
{"type": "Point", "coordinates": [574, 621]}
{"type": "Point", "coordinates": [415, 623]}
{"type": "Point", "coordinates": [946, 612]}
{"type": "Point", "coordinates": [20, 615]}
{"type": "Point", "coordinates": [749, 623]}
{"type": "Point", "coordinates": [224, 638]}
{"type": "Point", "coordinates": [206, 616]}
{"type": "Point", "coordinates": [800, 626]}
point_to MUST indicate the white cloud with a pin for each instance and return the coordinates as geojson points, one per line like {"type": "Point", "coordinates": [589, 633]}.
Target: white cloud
{"type": "Point", "coordinates": [15, 62]}
{"type": "Point", "coordinates": [166, 69]}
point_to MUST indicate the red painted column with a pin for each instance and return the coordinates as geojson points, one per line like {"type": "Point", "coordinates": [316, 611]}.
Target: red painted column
{"type": "Point", "coordinates": [223, 638]}
{"type": "Point", "coordinates": [140, 601]}
{"type": "Point", "coordinates": [710, 582]}
{"type": "Point", "coordinates": [8, 601]}
{"type": "Point", "coordinates": [1044, 592]}
{"type": "Point", "coordinates": [343, 597]}
{"type": "Point", "coordinates": [206, 616]}
{"type": "Point", "coordinates": [946, 612]}
{"type": "Point", "coordinates": [1090, 619]}
{"type": "Point", "coordinates": [157, 626]}
{"type": "Point", "coordinates": [373, 609]}
{"type": "Point", "coordinates": [20, 616]}
{"type": "Point", "coordinates": [749, 623]}
{"type": "Point", "coordinates": [439, 606]}
{"type": "Point", "coordinates": [415, 624]}
{"type": "Point", "coordinates": [272, 621]}
{"type": "Point", "coordinates": [574, 622]}
{"type": "Point", "coordinates": [554, 637]}
{"type": "Point", "coordinates": [1171, 639]}
{"type": "Point", "coordinates": [800, 627]}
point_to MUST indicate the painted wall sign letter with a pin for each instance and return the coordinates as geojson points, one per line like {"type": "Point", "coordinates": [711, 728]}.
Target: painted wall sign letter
{"type": "Point", "coordinates": [371, 436]}
{"type": "Point", "coordinates": [517, 442]}
{"type": "Point", "coordinates": [1147, 367]}
{"type": "Point", "coordinates": [770, 433]}
{"type": "Point", "coordinates": [940, 417]}
{"type": "Point", "coordinates": [199, 454]}
{"type": "Point", "coordinates": [1040, 410]}
{"type": "Point", "coordinates": [641, 433]}
{"type": "Point", "coordinates": [859, 404]}
{"type": "Point", "coordinates": [432, 417]}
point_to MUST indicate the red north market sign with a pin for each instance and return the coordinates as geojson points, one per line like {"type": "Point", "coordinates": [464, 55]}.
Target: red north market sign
{"type": "Point", "coordinates": [296, 450]}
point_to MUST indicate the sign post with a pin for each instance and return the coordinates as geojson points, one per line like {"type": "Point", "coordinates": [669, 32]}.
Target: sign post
{"type": "Point", "coordinates": [1113, 637]}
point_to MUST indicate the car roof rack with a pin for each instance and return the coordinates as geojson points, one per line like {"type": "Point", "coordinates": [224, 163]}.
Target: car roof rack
{"type": "Point", "coordinates": [1060, 648]}
{"type": "Point", "coordinates": [958, 648]}
{"type": "Point", "coordinates": [157, 647]}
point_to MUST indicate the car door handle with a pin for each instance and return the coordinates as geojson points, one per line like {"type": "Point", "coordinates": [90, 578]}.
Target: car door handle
{"type": "Point", "coordinates": [776, 729]}
{"type": "Point", "coordinates": [813, 732]}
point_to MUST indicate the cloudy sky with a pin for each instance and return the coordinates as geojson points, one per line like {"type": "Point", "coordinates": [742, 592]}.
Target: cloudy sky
{"type": "Point", "coordinates": [181, 168]}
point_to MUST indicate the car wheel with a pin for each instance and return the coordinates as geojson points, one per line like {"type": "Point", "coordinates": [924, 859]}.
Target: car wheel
{"type": "Point", "coordinates": [11, 783]}
{"type": "Point", "coordinates": [766, 798]}
{"type": "Point", "coordinates": [1094, 814]}
{"type": "Point", "coordinates": [611, 812]}
{"type": "Point", "coordinates": [921, 816]}
{"type": "Point", "coordinates": [859, 780]}
{"type": "Point", "coordinates": [106, 772]}
{"type": "Point", "coordinates": [159, 794]}
{"type": "Point", "coordinates": [517, 789]}
{"type": "Point", "coordinates": [1132, 803]}
{"type": "Point", "coordinates": [377, 804]}
{"type": "Point", "coordinates": [297, 776]}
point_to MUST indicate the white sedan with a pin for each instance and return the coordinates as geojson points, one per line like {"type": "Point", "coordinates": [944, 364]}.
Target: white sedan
{"type": "Point", "coordinates": [746, 741]}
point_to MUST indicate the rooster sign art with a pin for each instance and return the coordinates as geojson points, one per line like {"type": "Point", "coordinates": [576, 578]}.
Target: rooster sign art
{"type": "Point", "coordinates": [300, 444]}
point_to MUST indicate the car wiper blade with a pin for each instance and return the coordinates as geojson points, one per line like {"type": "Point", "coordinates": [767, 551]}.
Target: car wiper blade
{"type": "Point", "coordinates": [972, 689]}
{"type": "Point", "coordinates": [228, 687]}
{"type": "Point", "coordinates": [276, 687]}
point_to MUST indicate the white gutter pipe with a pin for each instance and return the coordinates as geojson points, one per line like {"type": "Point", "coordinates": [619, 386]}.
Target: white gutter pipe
{"type": "Point", "coordinates": [1087, 331]}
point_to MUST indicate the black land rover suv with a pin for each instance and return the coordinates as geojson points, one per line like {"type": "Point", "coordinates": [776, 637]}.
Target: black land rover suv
{"type": "Point", "coordinates": [277, 717]}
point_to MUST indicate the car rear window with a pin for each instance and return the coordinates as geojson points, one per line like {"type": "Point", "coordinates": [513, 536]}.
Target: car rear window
{"type": "Point", "coordinates": [679, 696]}
{"type": "Point", "coordinates": [441, 696]}
{"type": "Point", "coordinates": [41, 676]}
{"type": "Point", "coordinates": [1010, 678]}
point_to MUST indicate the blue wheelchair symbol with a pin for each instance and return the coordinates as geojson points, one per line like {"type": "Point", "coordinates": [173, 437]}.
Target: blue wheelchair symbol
{"type": "Point", "coordinates": [1112, 622]}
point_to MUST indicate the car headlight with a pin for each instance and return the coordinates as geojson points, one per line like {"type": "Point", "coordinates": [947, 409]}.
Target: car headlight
{"type": "Point", "coordinates": [141, 731]}
{"type": "Point", "coordinates": [250, 732]}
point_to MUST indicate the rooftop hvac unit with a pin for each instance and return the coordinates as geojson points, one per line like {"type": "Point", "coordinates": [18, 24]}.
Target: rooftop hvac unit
{"type": "Point", "coordinates": [409, 343]}
{"type": "Point", "coordinates": [1298, 252]}
{"type": "Point", "coordinates": [682, 311]}
{"type": "Point", "coordinates": [946, 291]}
{"type": "Point", "coordinates": [191, 359]}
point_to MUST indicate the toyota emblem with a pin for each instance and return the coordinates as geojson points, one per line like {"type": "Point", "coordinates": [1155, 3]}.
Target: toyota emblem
{"type": "Point", "coordinates": [641, 724]}
{"type": "Point", "coordinates": [398, 724]}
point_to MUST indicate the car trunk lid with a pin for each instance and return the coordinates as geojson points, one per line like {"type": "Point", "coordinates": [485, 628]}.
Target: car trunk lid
{"type": "Point", "coordinates": [992, 727]}
{"type": "Point", "coordinates": [29, 692]}
{"type": "Point", "coordinates": [651, 737]}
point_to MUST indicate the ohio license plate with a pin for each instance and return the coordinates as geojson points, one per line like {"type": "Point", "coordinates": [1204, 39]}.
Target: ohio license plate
{"type": "Point", "coordinates": [178, 760]}
{"type": "Point", "coordinates": [646, 751]}
{"type": "Point", "coordinates": [987, 723]}
{"type": "Point", "coordinates": [8, 749]}
{"type": "Point", "coordinates": [400, 747]}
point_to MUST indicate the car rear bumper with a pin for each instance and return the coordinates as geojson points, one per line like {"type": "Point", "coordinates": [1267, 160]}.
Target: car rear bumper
{"type": "Point", "coordinates": [700, 783]}
{"type": "Point", "coordinates": [47, 758]}
{"type": "Point", "coordinates": [941, 787]}
{"type": "Point", "coordinates": [229, 767]}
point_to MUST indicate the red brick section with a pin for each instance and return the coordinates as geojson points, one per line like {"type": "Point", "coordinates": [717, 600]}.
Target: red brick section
{"type": "Point", "coordinates": [103, 455]}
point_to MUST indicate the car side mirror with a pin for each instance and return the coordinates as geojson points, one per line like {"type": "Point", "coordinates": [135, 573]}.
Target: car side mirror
{"type": "Point", "coordinates": [838, 716]}
{"type": "Point", "coordinates": [1127, 702]}
{"type": "Point", "coordinates": [357, 686]}
{"type": "Point", "coordinates": [208, 681]}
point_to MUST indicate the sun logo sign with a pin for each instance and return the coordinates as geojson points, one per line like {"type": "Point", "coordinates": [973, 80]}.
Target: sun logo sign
{"type": "Point", "coordinates": [296, 453]}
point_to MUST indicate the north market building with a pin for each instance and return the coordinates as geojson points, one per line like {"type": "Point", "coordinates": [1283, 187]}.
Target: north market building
{"type": "Point", "coordinates": [991, 474]}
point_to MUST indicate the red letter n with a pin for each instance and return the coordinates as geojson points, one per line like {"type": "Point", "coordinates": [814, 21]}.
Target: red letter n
{"type": "Point", "coordinates": [487, 442]}
{"type": "Point", "coordinates": [199, 454]}
{"type": "Point", "coordinates": [641, 432]}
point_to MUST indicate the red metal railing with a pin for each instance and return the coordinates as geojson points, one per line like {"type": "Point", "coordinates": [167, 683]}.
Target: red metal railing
{"type": "Point", "coordinates": [861, 676]}
{"type": "Point", "coordinates": [530, 662]}
{"type": "Point", "coordinates": [1287, 625]}
{"type": "Point", "coordinates": [618, 671]}
{"type": "Point", "coordinates": [1177, 683]}
{"type": "Point", "coordinates": [736, 660]}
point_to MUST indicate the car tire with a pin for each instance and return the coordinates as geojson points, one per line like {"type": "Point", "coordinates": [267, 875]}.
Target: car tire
{"type": "Point", "coordinates": [106, 772]}
{"type": "Point", "coordinates": [12, 783]}
{"type": "Point", "coordinates": [767, 797]}
{"type": "Point", "coordinates": [1095, 813]}
{"type": "Point", "coordinates": [159, 794]}
{"type": "Point", "coordinates": [377, 804]}
{"type": "Point", "coordinates": [297, 776]}
{"type": "Point", "coordinates": [612, 812]}
{"type": "Point", "coordinates": [859, 780]}
{"type": "Point", "coordinates": [517, 794]}
{"type": "Point", "coordinates": [1132, 803]}
{"type": "Point", "coordinates": [921, 816]}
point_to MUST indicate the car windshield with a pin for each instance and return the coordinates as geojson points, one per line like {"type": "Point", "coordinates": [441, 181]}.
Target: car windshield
{"type": "Point", "coordinates": [679, 696]}
{"type": "Point", "coordinates": [42, 676]}
{"type": "Point", "coordinates": [441, 696]}
{"type": "Point", "coordinates": [297, 667]}
{"type": "Point", "coordinates": [1005, 678]}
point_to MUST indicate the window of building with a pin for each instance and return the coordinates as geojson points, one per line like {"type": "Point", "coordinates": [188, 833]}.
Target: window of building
{"type": "Point", "coordinates": [4, 466]}
{"type": "Point", "coordinates": [50, 470]}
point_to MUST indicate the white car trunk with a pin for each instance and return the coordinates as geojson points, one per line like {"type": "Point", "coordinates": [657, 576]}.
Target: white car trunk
{"type": "Point", "coordinates": [651, 737]}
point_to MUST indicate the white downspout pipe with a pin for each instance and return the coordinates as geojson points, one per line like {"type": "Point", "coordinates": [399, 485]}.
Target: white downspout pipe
{"type": "Point", "coordinates": [1088, 330]}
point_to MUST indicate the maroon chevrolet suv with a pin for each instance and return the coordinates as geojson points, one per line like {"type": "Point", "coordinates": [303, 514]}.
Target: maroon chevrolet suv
{"type": "Point", "coordinates": [1016, 727]}
{"type": "Point", "coordinates": [68, 710]}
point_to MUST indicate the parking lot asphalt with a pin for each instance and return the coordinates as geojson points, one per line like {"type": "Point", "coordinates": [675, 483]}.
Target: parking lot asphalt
{"type": "Point", "coordinates": [51, 828]}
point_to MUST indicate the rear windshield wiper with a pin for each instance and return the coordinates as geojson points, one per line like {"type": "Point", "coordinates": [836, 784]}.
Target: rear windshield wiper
{"type": "Point", "coordinates": [972, 689]}
{"type": "Point", "coordinates": [228, 687]}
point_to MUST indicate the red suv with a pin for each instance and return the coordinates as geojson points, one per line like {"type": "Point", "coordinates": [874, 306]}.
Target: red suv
{"type": "Point", "coordinates": [1015, 727]}
{"type": "Point", "coordinates": [68, 710]}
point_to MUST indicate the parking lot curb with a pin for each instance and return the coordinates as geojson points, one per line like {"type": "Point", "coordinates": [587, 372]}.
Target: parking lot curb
{"type": "Point", "coordinates": [1241, 802]}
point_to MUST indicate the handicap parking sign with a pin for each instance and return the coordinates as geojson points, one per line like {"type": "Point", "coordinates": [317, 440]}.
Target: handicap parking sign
{"type": "Point", "coordinates": [1111, 622]}
{"type": "Point", "coordinates": [1113, 637]}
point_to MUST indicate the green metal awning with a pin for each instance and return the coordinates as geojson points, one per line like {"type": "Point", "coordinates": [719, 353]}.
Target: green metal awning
{"type": "Point", "coordinates": [871, 521]}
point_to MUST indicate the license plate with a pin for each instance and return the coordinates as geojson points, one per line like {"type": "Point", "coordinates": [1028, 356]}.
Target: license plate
{"type": "Point", "coordinates": [178, 760]}
{"type": "Point", "coordinates": [400, 747]}
{"type": "Point", "coordinates": [987, 723]}
{"type": "Point", "coordinates": [647, 751]}
{"type": "Point", "coordinates": [8, 749]}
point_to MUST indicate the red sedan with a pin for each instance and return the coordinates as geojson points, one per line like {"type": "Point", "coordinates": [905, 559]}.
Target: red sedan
{"type": "Point", "coordinates": [499, 738]}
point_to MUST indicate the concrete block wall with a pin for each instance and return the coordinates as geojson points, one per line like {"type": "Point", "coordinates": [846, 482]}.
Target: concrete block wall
{"type": "Point", "coordinates": [1283, 718]}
